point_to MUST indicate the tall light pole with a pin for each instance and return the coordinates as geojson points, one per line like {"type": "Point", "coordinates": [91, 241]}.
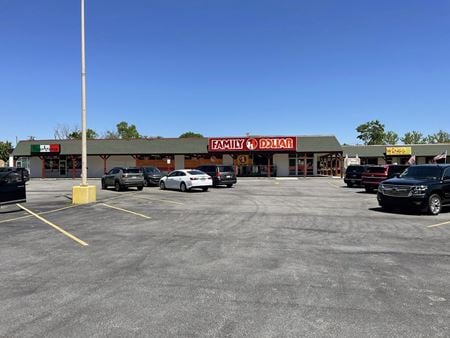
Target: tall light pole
{"type": "Point", "coordinates": [83, 193]}
{"type": "Point", "coordinates": [83, 104]}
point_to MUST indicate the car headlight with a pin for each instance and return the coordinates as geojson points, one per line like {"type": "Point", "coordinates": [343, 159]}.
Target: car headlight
{"type": "Point", "coordinates": [419, 190]}
{"type": "Point", "coordinates": [380, 188]}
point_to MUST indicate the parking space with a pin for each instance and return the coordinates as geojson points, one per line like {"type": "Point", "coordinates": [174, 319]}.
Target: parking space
{"type": "Point", "coordinates": [264, 258]}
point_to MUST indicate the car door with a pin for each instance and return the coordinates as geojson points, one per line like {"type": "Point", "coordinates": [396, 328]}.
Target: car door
{"type": "Point", "coordinates": [171, 182]}
{"type": "Point", "coordinates": [109, 178]}
{"type": "Point", "coordinates": [446, 185]}
{"type": "Point", "coordinates": [12, 188]}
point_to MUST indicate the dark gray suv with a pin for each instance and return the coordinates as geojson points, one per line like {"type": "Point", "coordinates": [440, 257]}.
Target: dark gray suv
{"type": "Point", "coordinates": [221, 174]}
{"type": "Point", "coordinates": [121, 178]}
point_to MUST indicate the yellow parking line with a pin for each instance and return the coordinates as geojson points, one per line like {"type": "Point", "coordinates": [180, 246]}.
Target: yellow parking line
{"type": "Point", "coordinates": [436, 225]}
{"type": "Point", "coordinates": [79, 241]}
{"type": "Point", "coordinates": [124, 210]}
{"type": "Point", "coordinates": [334, 185]}
{"type": "Point", "coordinates": [39, 213]}
{"type": "Point", "coordinates": [159, 200]}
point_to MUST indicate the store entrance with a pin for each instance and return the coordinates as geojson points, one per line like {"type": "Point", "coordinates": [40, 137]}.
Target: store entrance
{"type": "Point", "coordinates": [256, 164]}
{"type": "Point", "coordinates": [301, 164]}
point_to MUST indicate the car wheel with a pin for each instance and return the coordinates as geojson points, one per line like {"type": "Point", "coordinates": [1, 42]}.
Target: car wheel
{"type": "Point", "coordinates": [183, 187]}
{"type": "Point", "coordinates": [140, 187]}
{"type": "Point", "coordinates": [162, 186]}
{"type": "Point", "coordinates": [434, 204]}
{"type": "Point", "coordinates": [103, 185]}
{"type": "Point", "coordinates": [146, 183]}
{"type": "Point", "coordinates": [368, 189]}
{"type": "Point", "coordinates": [205, 188]}
{"type": "Point", "coordinates": [117, 186]}
{"type": "Point", "coordinates": [349, 185]}
{"type": "Point", "coordinates": [229, 185]}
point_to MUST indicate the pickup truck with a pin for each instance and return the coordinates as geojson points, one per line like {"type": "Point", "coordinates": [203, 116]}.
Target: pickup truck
{"type": "Point", "coordinates": [424, 187]}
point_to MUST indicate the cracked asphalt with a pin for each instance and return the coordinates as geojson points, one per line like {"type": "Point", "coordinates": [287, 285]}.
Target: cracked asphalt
{"type": "Point", "coordinates": [267, 258]}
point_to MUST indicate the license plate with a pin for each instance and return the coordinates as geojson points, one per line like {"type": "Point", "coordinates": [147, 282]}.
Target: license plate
{"type": "Point", "coordinates": [228, 176]}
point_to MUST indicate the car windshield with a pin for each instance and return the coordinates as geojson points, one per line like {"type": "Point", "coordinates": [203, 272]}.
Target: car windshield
{"type": "Point", "coordinates": [152, 171]}
{"type": "Point", "coordinates": [132, 171]}
{"type": "Point", "coordinates": [195, 172]}
{"type": "Point", "coordinates": [225, 168]}
{"type": "Point", "coordinates": [5, 169]}
{"type": "Point", "coordinates": [355, 169]}
{"type": "Point", "coordinates": [422, 172]}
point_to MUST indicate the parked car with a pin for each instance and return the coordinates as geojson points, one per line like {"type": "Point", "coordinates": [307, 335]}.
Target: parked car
{"type": "Point", "coordinates": [373, 175]}
{"type": "Point", "coordinates": [12, 188]}
{"type": "Point", "coordinates": [20, 171]}
{"type": "Point", "coordinates": [120, 178]}
{"type": "Point", "coordinates": [186, 179]}
{"type": "Point", "coordinates": [353, 174]}
{"type": "Point", "coordinates": [152, 175]}
{"type": "Point", "coordinates": [425, 187]}
{"type": "Point", "coordinates": [221, 174]}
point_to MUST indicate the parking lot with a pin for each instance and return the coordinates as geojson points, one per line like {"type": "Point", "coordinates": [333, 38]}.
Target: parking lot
{"type": "Point", "coordinates": [285, 258]}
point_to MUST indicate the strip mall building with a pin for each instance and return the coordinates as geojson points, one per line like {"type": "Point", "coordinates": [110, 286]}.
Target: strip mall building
{"type": "Point", "coordinates": [280, 156]}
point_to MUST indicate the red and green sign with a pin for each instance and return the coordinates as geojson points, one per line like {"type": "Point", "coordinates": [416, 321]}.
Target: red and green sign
{"type": "Point", "coordinates": [252, 144]}
{"type": "Point", "coordinates": [45, 148]}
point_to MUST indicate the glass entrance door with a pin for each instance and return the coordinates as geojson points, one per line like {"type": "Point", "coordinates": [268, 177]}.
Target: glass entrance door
{"type": "Point", "coordinates": [62, 168]}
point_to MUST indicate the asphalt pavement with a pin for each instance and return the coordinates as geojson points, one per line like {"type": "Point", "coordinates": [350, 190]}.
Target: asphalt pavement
{"type": "Point", "coordinates": [266, 258]}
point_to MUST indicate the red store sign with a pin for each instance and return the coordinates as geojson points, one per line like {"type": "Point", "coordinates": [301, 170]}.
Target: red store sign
{"type": "Point", "coordinates": [252, 144]}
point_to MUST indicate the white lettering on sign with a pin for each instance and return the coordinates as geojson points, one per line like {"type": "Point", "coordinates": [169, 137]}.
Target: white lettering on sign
{"type": "Point", "coordinates": [227, 144]}
{"type": "Point", "coordinates": [45, 148]}
{"type": "Point", "coordinates": [276, 143]}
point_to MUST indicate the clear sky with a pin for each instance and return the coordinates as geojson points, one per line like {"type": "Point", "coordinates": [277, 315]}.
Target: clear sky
{"type": "Point", "coordinates": [226, 67]}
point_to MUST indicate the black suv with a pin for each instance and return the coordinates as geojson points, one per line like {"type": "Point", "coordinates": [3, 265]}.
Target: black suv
{"type": "Point", "coordinates": [152, 175]}
{"type": "Point", "coordinates": [20, 171]}
{"type": "Point", "coordinates": [353, 174]}
{"type": "Point", "coordinates": [221, 174]}
{"type": "Point", "coordinates": [425, 186]}
{"type": "Point", "coordinates": [121, 178]}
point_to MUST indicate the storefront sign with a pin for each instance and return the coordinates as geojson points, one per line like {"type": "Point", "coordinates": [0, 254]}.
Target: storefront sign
{"type": "Point", "coordinates": [398, 151]}
{"type": "Point", "coordinates": [252, 144]}
{"type": "Point", "coordinates": [242, 160]}
{"type": "Point", "coordinates": [45, 148]}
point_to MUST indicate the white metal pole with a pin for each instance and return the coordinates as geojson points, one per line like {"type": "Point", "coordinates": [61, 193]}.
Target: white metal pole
{"type": "Point", "coordinates": [83, 104]}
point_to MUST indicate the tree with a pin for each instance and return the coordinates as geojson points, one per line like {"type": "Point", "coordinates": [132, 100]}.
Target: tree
{"type": "Point", "coordinates": [126, 131]}
{"type": "Point", "coordinates": [6, 149]}
{"type": "Point", "coordinates": [390, 137]}
{"type": "Point", "coordinates": [440, 137]}
{"type": "Point", "coordinates": [62, 132]}
{"type": "Point", "coordinates": [371, 132]}
{"type": "Point", "coordinates": [76, 134]}
{"type": "Point", "coordinates": [190, 134]}
{"type": "Point", "coordinates": [109, 134]}
{"type": "Point", "coordinates": [413, 137]}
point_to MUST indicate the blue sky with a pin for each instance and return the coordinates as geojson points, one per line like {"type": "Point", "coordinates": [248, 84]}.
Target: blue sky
{"type": "Point", "coordinates": [226, 67]}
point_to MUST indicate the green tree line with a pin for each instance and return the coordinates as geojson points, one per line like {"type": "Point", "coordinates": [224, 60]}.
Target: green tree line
{"type": "Point", "coordinates": [373, 133]}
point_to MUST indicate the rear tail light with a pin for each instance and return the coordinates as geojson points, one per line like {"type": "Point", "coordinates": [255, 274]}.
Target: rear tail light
{"type": "Point", "coordinates": [218, 175]}
{"type": "Point", "coordinates": [193, 178]}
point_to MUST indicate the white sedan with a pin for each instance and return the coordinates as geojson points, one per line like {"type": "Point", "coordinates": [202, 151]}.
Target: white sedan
{"type": "Point", "coordinates": [186, 179]}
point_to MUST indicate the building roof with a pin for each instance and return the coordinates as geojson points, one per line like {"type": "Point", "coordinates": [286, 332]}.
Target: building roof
{"type": "Point", "coordinates": [318, 144]}
{"type": "Point", "coordinates": [192, 145]}
{"type": "Point", "coordinates": [121, 147]}
{"type": "Point", "coordinates": [379, 150]}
